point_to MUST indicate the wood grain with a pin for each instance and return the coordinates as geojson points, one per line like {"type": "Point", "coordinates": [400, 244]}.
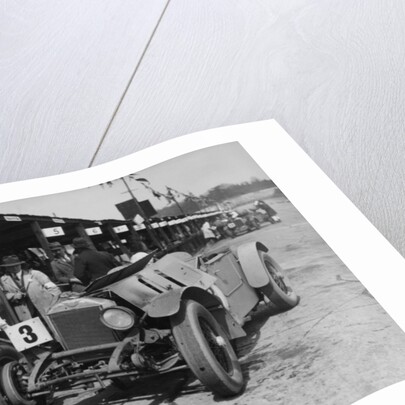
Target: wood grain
{"type": "Point", "coordinates": [63, 67]}
{"type": "Point", "coordinates": [330, 72]}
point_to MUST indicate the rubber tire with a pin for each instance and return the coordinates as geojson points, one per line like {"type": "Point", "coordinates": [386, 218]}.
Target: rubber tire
{"type": "Point", "coordinates": [7, 354]}
{"type": "Point", "coordinates": [194, 347]}
{"type": "Point", "coordinates": [272, 290]}
{"type": "Point", "coordinates": [9, 388]}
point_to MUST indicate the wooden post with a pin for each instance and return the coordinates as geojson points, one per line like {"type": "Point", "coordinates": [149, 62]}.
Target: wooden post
{"type": "Point", "coordinates": [41, 239]}
{"type": "Point", "coordinates": [163, 234]}
{"type": "Point", "coordinates": [83, 234]}
{"type": "Point", "coordinates": [170, 231]}
{"type": "Point", "coordinates": [6, 311]}
{"type": "Point", "coordinates": [183, 229]}
{"type": "Point", "coordinates": [193, 226]}
{"type": "Point", "coordinates": [133, 233]}
{"type": "Point", "coordinates": [146, 220]}
{"type": "Point", "coordinates": [179, 230]}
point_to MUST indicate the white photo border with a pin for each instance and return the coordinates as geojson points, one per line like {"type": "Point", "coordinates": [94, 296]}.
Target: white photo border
{"type": "Point", "coordinates": [364, 250]}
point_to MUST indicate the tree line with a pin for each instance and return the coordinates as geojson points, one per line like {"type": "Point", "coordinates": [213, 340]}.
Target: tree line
{"type": "Point", "coordinates": [217, 194]}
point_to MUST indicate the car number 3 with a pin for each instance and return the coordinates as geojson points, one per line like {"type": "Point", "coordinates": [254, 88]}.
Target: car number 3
{"type": "Point", "coordinates": [27, 334]}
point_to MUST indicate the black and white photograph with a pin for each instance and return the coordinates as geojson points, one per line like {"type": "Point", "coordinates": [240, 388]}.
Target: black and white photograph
{"type": "Point", "coordinates": [193, 281]}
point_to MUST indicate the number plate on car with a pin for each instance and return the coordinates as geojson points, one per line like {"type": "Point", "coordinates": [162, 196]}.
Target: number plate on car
{"type": "Point", "coordinates": [27, 334]}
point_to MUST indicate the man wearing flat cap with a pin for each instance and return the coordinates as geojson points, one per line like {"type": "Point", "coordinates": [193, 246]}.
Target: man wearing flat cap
{"type": "Point", "coordinates": [29, 291]}
{"type": "Point", "coordinates": [90, 264]}
{"type": "Point", "coordinates": [62, 267]}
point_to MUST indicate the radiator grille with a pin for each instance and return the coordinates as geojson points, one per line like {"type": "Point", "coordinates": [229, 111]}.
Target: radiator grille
{"type": "Point", "coordinates": [81, 327]}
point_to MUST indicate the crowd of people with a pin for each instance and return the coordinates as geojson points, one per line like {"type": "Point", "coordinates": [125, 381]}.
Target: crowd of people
{"type": "Point", "coordinates": [31, 292]}
{"type": "Point", "coordinates": [223, 226]}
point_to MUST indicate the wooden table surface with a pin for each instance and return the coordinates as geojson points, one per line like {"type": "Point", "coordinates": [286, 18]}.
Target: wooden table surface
{"type": "Point", "coordinates": [82, 83]}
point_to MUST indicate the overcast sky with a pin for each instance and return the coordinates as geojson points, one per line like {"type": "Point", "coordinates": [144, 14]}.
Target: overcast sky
{"type": "Point", "coordinates": [194, 172]}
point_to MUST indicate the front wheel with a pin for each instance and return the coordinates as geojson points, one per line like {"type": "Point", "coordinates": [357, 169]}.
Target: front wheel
{"type": "Point", "coordinates": [7, 354]}
{"type": "Point", "coordinates": [14, 385]}
{"type": "Point", "coordinates": [278, 290]}
{"type": "Point", "coordinates": [206, 349]}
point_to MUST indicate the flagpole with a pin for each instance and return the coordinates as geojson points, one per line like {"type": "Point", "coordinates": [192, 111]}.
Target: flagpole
{"type": "Point", "coordinates": [149, 229]}
{"type": "Point", "coordinates": [174, 199]}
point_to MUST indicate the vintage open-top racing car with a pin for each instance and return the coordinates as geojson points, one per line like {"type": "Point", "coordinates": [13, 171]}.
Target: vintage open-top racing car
{"type": "Point", "coordinates": [241, 222]}
{"type": "Point", "coordinates": [147, 318]}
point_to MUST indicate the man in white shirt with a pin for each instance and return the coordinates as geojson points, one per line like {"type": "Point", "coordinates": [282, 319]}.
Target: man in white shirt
{"type": "Point", "coordinates": [208, 233]}
{"type": "Point", "coordinates": [29, 291]}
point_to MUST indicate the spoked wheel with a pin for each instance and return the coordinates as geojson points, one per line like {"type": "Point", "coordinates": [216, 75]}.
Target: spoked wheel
{"type": "Point", "coordinates": [278, 290]}
{"type": "Point", "coordinates": [14, 384]}
{"type": "Point", "coordinates": [206, 349]}
{"type": "Point", "coordinates": [7, 354]}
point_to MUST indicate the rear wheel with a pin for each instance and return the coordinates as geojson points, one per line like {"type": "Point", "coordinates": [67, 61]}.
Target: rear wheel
{"type": "Point", "coordinates": [206, 349]}
{"type": "Point", "coordinates": [278, 290]}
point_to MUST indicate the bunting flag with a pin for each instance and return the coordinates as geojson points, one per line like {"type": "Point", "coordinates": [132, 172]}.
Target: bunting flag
{"type": "Point", "coordinates": [142, 180]}
{"type": "Point", "coordinates": [177, 193]}
{"type": "Point", "coordinates": [169, 191]}
{"type": "Point", "coordinates": [108, 183]}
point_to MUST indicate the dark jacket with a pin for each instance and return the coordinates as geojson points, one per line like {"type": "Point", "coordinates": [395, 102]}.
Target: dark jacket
{"type": "Point", "coordinates": [62, 270]}
{"type": "Point", "coordinates": [270, 211]}
{"type": "Point", "coordinates": [90, 264]}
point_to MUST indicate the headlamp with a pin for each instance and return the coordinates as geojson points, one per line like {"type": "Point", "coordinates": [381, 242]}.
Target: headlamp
{"type": "Point", "coordinates": [118, 318]}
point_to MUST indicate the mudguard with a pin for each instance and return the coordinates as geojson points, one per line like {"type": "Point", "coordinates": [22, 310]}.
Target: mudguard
{"type": "Point", "coordinates": [168, 304]}
{"type": "Point", "coordinates": [252, 264]}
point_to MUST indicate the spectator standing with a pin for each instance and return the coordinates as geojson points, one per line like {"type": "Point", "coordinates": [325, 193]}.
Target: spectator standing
{"type": "Point", "coordinates": [30, 292]}
{"type": "Point", "coordinates": [209, 235]}
{"type": "Point", "coordinates": [272, 214]}
{"type": "Point", "coordinates": [62, 267]}
{"type": "Point", "coordinates": [139, 250]}
{"type": "Point", "coordinates": [90, 264]}
{"type": "Point", "coordinates": [220, 225]}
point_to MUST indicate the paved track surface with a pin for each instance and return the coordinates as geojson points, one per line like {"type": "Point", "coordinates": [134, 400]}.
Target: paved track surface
{"type": "Point", "coordinates": [336, 347]}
